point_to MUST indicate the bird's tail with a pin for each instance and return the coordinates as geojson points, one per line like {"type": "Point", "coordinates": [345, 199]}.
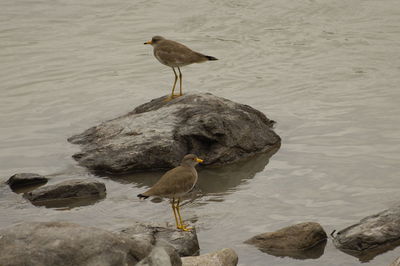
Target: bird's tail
{"type": "Point", "coordinates": [211, 58]}
{"type": "Point", "coordinates": [141, 196]}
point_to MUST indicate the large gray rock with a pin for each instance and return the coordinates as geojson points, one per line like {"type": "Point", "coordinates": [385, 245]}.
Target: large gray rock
{"type": "Point", "coordinates": [371, 236]}
{"type": "Point", "coordinates": [22, 180]}
{"type": "Point", "coordinates": [157, 134]}
{"type": "Point", "coordinates": [184, 242]}
{"type": "Point", "coordinates": [223, 257]}
{"type": "Point", "coordinates": [66, 192]}
{"type": "Point", "coordinates": [59, 243]}
{"type": "Point", "coordinates": [300, 241]}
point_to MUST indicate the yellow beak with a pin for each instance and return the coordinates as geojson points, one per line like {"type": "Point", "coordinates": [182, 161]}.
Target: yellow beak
{"type": "Point", "coordinates": [199, 160]}
{"type": "Point", "coordinates": [149, 42]}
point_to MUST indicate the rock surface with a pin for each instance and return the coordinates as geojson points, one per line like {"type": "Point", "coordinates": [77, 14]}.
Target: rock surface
{"type": "Point", "coordinates": [296, 241]}
{"type": "Point", "coordinates": [162, 256]}
{"type": "Point", "coordinates": [185, 243]}
{"type": "Point", "coordinates": [157, 134]}
{"type": "Point", "coordinates": [21, 180]}
{"type": "Point", "coordinates": [373, 235]}
{"type": "Point", "coordinates": [74, 189]}
{"type": "Point", "coordinates": [59, 243]}
{"type": "Point", "coordinates": [223, 257]}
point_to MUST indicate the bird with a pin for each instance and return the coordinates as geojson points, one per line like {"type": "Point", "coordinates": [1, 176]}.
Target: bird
{"type": "Point", "coordinates": [176, 55]}
{"type": "Point", "coordinates": [174, 184]}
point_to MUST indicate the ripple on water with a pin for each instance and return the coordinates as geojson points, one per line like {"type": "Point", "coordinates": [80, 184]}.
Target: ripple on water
{"type": "Point", "coordinates": [327, 72]}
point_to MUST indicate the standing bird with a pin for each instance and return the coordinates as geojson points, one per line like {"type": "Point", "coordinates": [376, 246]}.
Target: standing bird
{"type": "Point", "coordinates": [174, 54]}
{"type": "Point", "coordinates": [174, 184]}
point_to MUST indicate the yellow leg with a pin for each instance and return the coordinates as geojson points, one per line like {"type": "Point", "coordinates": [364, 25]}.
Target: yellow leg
{"type": "Point", "coordinates": [173, 87]}
{"type": "Point", "coordinates": [182, 226]}
{"type": "Point", "coordinates": [180, 82]}
{"type": "Point", "coordinates": [174, 210]}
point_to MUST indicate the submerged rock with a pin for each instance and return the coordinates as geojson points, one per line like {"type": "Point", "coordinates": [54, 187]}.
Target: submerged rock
{"type": "Point", "coordinates": [157, 134]}
{"type": "Point", "coordinates": [184, 242]}
{"type": "Point", "coordinates": [300, 241]}
{"type": "Point", "coordinates": [225, 257]}
{"type": "Point", "coordinates": [22, 180]}
{"type": "Point", "coordinates": [60, 243]}
{"type": "Point", "coordinates": [65, 192]}
{"type": "Point", "coordinates": [373, 235]}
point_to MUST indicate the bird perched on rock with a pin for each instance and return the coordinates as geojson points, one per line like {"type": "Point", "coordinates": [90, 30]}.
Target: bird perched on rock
{"type": "Point", "coordinates": [174, 54]}
{"type": "Point", "coordinates": [176, 183]}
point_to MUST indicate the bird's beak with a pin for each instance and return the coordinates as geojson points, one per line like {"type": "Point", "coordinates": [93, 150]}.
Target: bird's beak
{"type": "Point", "coordinates": [199, 160]}
{"type": "Point", "coordinates": [149, 42]}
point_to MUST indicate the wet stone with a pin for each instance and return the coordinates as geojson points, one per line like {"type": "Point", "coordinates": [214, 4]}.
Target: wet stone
{"type": "Point", "coordinates": [184, 242]}
{"type": "Point", "coordinates": [300, 241]}
{"type": "Point", "coordinates": [75, 192]}
{"type": "Point", "coordinates": [162, 255]}
{"type": "Point", "coordinates": [20, 181]}
{"type": "Point", "coordinates": [371, 236]}
{"type": "Point", "coordinates": [225, 257]}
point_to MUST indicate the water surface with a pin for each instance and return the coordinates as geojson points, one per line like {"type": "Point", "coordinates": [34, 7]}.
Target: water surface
{"type": "Point", "coordinates": [326, 71]}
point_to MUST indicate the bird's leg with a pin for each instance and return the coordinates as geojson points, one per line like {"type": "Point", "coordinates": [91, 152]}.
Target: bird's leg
{"type": "Point", "coordinates": [180, 82]}
{"type": "Point", "coordinates": [174, 210]}
{"type": "Point", "coordinates": [179, 214]}
{"type": "Point", "coordinates": [173, 87]}
{"type": "Point", "coordinates": [182, 226]}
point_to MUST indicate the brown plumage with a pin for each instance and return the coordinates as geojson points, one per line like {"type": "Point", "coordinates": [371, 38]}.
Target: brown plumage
{"type": "Point", "coordinates": [174, 54]}
{"type": "Point", "coordinates": [175, 183]}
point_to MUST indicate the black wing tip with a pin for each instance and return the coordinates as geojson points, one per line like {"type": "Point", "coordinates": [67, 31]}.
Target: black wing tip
{"type": "Point", "coordinates": [211, 58]}
{"type": "Point", "coordinates": [141, 196]}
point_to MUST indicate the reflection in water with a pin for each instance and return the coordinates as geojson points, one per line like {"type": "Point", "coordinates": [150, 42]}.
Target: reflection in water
{"type": "Point", "coordinates": [27, 188]}
{"type": "Point", "coordinates": [67, 204]}
{"type": "Point", "coordinates": [212, 181]}
{"type": "Point", "coordinates": [311, 253]}
{"type": "Point", "coordinates": [225, 179]}
{"type": "Point", "coordinates": [327, 71]}
{"type": "Point", "coordinates": [370, 254]}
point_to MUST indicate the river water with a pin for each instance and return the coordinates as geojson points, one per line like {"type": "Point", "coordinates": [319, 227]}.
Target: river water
{"type": "Point", "coordinates": [327, 71]}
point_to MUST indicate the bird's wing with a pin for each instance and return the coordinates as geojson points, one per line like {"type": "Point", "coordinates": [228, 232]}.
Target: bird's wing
{"type": "Point", "coordinates": [178, 180]}
{"type": "Point", "coordinates": [177, 53]}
